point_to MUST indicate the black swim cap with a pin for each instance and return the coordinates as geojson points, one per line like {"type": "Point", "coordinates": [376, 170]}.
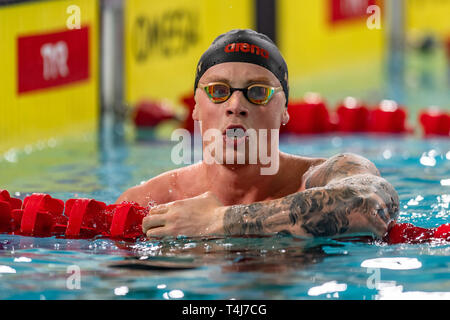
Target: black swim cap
{"type": "Point", "coordinates": [245, 45]}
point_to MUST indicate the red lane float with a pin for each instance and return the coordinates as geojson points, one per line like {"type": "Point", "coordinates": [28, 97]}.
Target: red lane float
{"type": "Point", "coordinates": [85, 218]}
{"type": "Point", "coordinates": [353, 116]}
{"type": "Point", "coordinates": [389, 117]}
{"type": "Point", "coordinates": [127, 220]}
{"type": "Point", "coordinates": [13, 202]}
{"type": "Point", "coordinates": [5, 212]}
{"type": "Point", "coordinates": [40, 215]}
{"type": "Point", "coordinates": [150, 113]}
{"type": "Point", "coordinates": [7, 206]}
{"type": "Point", "coordinates": [309, 116]}
{"type": "Point", "coordinates": [408, 233]}
{"type": "Point", "coordinates": [435, 122]}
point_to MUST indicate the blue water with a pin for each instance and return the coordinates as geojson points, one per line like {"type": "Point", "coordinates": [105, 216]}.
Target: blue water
{"type": "Point", "coordinates": [279, 267]}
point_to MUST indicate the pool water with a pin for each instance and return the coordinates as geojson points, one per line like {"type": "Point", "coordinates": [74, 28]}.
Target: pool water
{"type": "Point", "coordinates": [278, 267]}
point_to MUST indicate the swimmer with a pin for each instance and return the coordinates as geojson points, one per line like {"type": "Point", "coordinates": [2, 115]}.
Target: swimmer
{"type": "Point", "coordinates": [307, 197]}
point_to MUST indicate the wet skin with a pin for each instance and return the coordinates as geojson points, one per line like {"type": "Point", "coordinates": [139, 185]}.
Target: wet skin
{"type": "Point", "coordinates": [307, 197]}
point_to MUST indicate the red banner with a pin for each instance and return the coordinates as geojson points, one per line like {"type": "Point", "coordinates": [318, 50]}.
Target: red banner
{"type": "Point", "coordinates": [52, 59]}
{"type": "Point", "coordinates": [344, 10]}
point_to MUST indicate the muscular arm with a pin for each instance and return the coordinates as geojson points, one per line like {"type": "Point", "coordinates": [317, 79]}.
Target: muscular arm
{"type": "Point", "coordinates": [345, 195]}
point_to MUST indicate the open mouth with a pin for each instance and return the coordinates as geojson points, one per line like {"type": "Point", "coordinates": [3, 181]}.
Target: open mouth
{"type": "Point", "coordinates": [235, 135]}
{"type": "Point", "coordinates": [234, 132]}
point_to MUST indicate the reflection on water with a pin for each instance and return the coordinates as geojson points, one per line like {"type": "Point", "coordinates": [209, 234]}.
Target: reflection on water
{"type": "Point", "coordinates": [280, 267]}
{"type": "Point", "coordinates": [277, 267]}
{"type": "Point", "coordinates": [254, 254]}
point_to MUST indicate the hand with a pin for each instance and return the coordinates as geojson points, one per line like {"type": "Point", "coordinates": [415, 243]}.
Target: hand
{"type": "Point", "coordinates": [374, 217]}
{"type": "Point", "coordinates": [198, 216]}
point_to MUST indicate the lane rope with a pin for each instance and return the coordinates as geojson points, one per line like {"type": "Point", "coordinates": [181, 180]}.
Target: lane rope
{"type": "Point", "coordinates": [40, 215]}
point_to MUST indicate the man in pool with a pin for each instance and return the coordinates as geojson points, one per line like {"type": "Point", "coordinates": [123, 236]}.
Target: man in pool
{"type": "Point", "coordinates": [307, 197]}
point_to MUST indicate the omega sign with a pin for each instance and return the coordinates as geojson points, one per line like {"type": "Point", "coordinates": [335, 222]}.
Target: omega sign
{"type": "Point", "coordinates": [170, 34]}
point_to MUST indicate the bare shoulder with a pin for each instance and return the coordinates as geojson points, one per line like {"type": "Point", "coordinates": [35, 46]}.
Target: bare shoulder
{"type": "Point", "coordinates": [300, 161]}
{"type": "Point", "coordinates": [301, 166]}
{"type": "Point", "coordinates": [337, 167]}
{"type": "Point", "coordinates": [161, 189]}
{"type": "Point", "coordinates": [154, 190]}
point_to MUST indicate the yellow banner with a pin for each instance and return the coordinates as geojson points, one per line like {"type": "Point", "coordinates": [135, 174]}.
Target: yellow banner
{"type": "Point", "coordinates": [49, 62]}
{"type": "Point", "coordinates": [164, 41]}
{"type": "Point", "coordinates": [333, 47]}
{"type": "Point", "coordinates": [428, 16]}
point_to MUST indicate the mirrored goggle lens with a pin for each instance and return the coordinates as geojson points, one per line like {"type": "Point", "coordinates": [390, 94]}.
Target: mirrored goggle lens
{"type": "Point", "coordinates": [259, 94]}
{"type": "Point", "coordinates": [218, 92]}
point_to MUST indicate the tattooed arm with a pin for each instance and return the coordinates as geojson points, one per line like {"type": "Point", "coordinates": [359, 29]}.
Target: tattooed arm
{"type": "Point", "coordinates": [344, 195]}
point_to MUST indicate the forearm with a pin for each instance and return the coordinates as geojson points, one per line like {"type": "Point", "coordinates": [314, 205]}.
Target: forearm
{"type": "Point", "coordinates": [357, 204]}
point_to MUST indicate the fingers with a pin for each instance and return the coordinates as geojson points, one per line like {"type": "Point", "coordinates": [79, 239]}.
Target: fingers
{"type": "Point", "coordinates": [383, 214]}
{"type": "Point", "coordinates": [380, 215]}
{"type": "Point", "coordinates": [153, 221]}
{"type": "Point", "coordinates": [379, 221]}
{"type": "Point", "coordinates": [157, 232]}
{"type": "Point", "coordinates": [159, 209]}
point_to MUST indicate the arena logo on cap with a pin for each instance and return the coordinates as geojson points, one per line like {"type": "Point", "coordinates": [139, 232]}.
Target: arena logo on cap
{"type": "Point", "coordinates": [246, 47]}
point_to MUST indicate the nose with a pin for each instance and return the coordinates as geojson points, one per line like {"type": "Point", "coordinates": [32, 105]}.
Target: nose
{"type": "Point", "coordinates": [236, 105]}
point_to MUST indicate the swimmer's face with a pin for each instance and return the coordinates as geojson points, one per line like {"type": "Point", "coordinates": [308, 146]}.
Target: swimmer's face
{"type": "Point", "coordinates": [237, 110]}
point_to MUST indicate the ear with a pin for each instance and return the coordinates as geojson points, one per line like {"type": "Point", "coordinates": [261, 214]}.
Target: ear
{"type": "Point", "coordinates": [195, 111]}
{"type": "Point", "coordinates": [285, 118]}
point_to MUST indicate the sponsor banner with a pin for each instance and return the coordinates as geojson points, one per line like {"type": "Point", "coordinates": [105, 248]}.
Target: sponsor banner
{"type": "Point", "coordinates": [428, 16]}
{"type": "Point", "coordinates": [345, 10]}
{"type": "Point", "coordinates": [49, 86]}
{"type": "Point", "coordinates": [328, 56]}
{"type": "Point", "coordinates": [52, 59]}
{"type": "Point", "coordinates": [165, 39]}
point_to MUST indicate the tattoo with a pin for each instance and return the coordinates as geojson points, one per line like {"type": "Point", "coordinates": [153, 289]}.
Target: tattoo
{"type": "Point", "coordinates": [339, 166]}
{"type": "Point", "coordinates": [248, 219]}
{"type": "Point", "coordinates": [320, 212]}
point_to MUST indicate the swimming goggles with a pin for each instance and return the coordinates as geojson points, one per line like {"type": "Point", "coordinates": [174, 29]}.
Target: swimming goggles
{"type": "Point", "coordinates": [259, 94]}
